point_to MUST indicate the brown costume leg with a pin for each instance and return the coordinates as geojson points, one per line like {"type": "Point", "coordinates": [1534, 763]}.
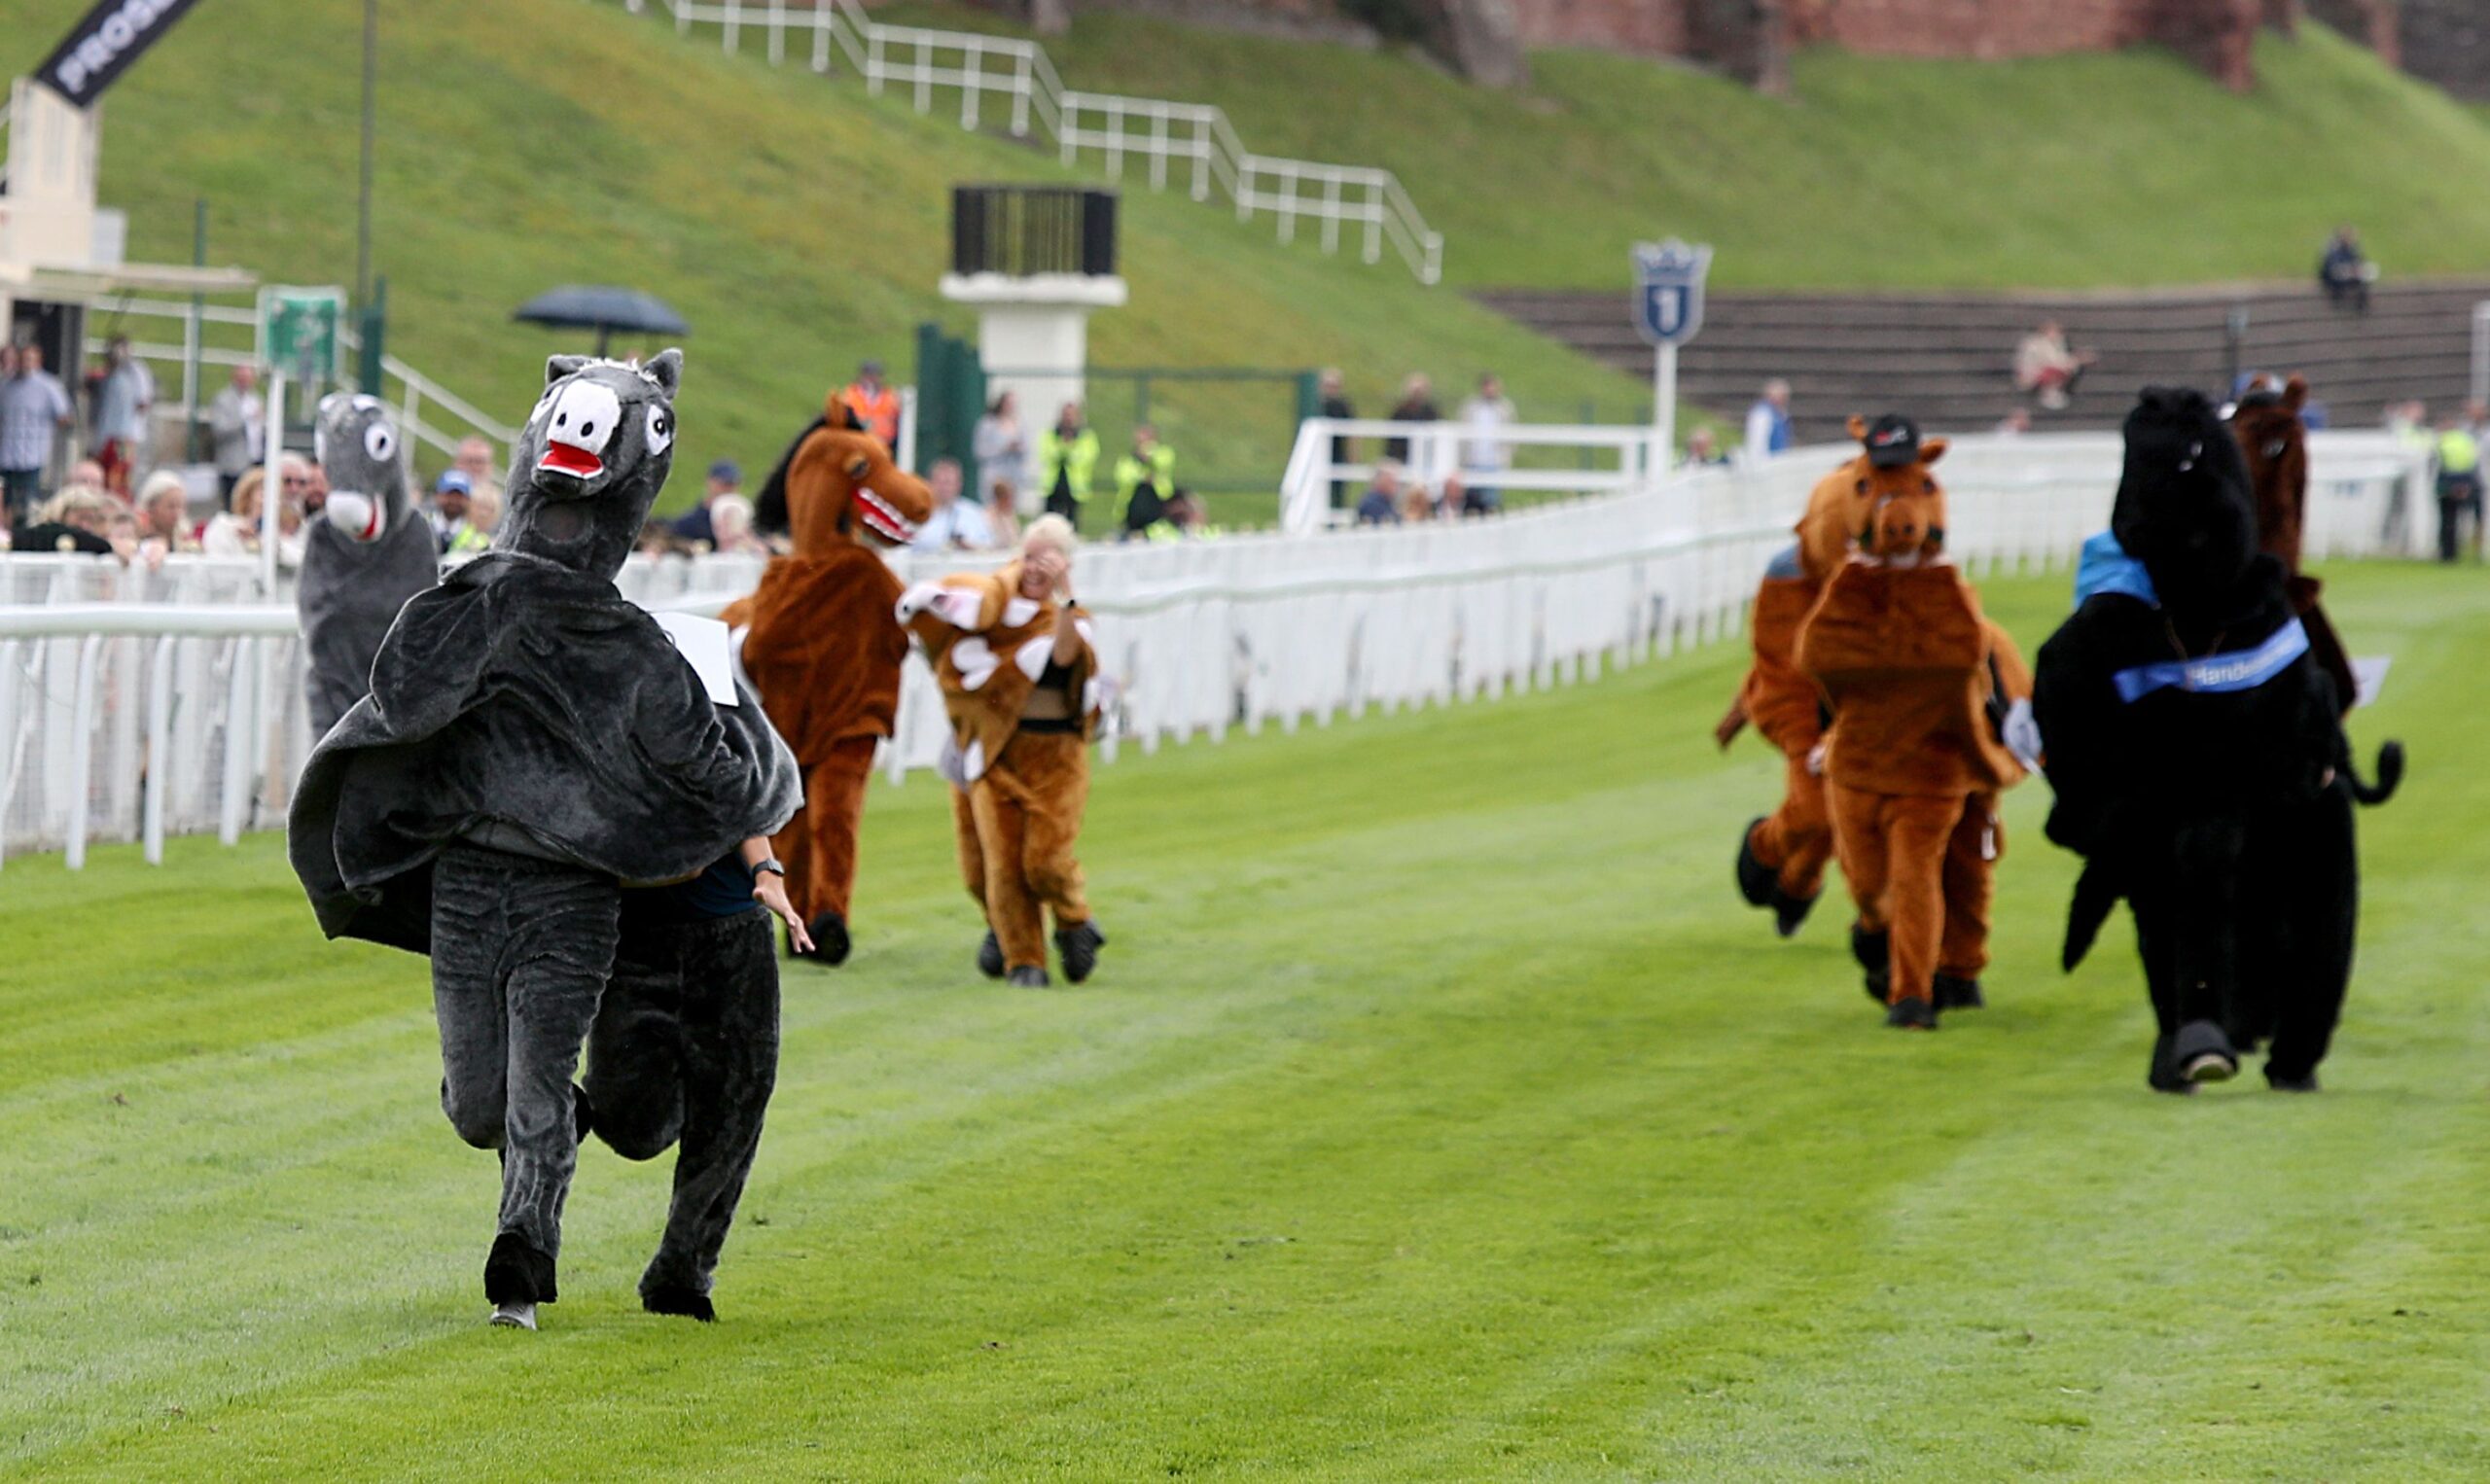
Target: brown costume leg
{"type": "Point", "coordinates": [819, 844]}
{"type": "Point", "coordinates": [1052, 774]}
{"type": "Point", "coordinates": [1011, 908]}
{"type": "Point", "coordinates": [1796, 840]}
{"type": "Point", "coordinates": [1859, 839]}
{"type": "Point", "coordinates": [1917, 831]}
{"type": "Point", "coordinates": [1971, 853]}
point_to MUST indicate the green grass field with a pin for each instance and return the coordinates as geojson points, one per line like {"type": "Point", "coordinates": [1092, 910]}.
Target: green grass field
{"type": "Point", "coordinates": [1438, 1115]}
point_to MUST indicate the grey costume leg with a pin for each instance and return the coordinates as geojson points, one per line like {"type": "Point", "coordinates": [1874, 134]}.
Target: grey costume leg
{"type": "Point", "coordinates": [686, 1046]}
{"type": "Point", "coordinates": [521, 949]}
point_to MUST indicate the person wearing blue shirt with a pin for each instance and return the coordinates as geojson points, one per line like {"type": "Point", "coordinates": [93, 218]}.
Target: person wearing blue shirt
{"type": "Point", "coordinates": [1769, 421]}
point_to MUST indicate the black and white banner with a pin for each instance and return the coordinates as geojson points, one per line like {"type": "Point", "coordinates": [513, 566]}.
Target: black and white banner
{"type": "Point", "coordinates": [101, 46]}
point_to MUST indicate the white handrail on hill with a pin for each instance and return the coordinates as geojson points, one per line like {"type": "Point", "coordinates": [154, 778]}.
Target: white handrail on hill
{"type": "Point", "coordinates": [1198, 137]}
{"type": "Point", "coordinates": [411, 393]}
{"type": "Point", "coordinates": [136, 704]}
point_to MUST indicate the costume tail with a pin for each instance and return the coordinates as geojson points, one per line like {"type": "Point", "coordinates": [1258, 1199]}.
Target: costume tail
{"type": "Point", "coordinates": [2390, 773]}
{"type": "Point", "coordinates": [2095, 894]}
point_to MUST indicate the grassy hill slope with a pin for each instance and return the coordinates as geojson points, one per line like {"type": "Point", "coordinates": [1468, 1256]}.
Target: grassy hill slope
{"type": "Point", "coordinates": [1876, 172]}
{"type": "Point", "coordinates": [1438, 1113]}
{"type": "Point", "coordinates": [797, 226]}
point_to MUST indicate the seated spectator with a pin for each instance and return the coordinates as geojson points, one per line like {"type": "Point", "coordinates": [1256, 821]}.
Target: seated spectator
{"type": "Point", "coordinates": [2345, 273]}
{"type": "Point", "coordinates": [1703, 450]}
{"type": "Point", "coordinates": [77, 519]}
{"type": "Point", "coordinates": [1417, 505]}
{"type": "Point", "coordinates": [86, 473]}
{"type": "Point", "coordinates": [164, 512]}
{"type": "Point", "coordinates": [2047, 368]}
{"type": "Point", "coordinates": [956, 524]}
{"type": "Point", "coordinates": [1460, 499]}
{"type": "Point", "coordinates": [235, 532]}
{"type": "Point", "coordinates": [731, 520]}
{"type": "Point", "coordinates": [1381, 503]}
{"type": "Point", "coordinates": [306, 485]}
{"type": "Point", "coordinates": [725, 478]}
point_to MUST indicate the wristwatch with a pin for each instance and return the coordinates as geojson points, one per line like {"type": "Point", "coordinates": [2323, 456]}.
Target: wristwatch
{"type": "Point", "coordinates": [771, 864]}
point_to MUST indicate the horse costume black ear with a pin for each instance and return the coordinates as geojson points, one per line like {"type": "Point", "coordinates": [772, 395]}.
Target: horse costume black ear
{"type": "Point", "coordinates": [558, 367]}
{"type": "Point", "coordinates": [667, 370]}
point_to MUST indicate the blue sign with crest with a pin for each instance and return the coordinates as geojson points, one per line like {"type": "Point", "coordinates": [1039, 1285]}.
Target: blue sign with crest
{"type": "Point", "coordinates": [1668, 290]}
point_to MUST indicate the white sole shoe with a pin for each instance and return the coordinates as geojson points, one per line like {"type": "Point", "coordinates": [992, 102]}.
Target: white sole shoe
{"type": "Point", "coordinates": [514, 1316]}
{"type": "Point", "coordinates": [2210, 1068]}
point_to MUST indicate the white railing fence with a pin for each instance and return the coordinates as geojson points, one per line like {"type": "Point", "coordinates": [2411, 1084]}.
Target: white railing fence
{"type": "Point", "coordinates": [1018, 80]}
{"type": "Point", "coordinates": [178, 339]}
{"type": "Point", "coordinates": [136, 704]}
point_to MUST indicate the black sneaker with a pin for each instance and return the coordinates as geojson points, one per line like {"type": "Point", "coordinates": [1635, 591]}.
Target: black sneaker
{"type": "Point", "coordinates": [1755, 879]}
{"type": "Point", "coordinates": [990, 956]}
{"type": "Point", "coordinates": [831, 942]}
{"type": "Point", "coordinates": [1788, 911]}
{"type": "Point", "coordinates": [2203, 1053]}
{"type": "Point", "coordinates": [1912, 1014]}
{"type": "Point", "coordinates": [1874, 951]}
{"type": "Point", "coordinates": [1030, 977]}
{"type": "Point", "coordinates": [1956, 992]}
{"type": "Point", "coordinates": [2305, 1082]}
{"type": "Point", "coordinates": [1079, 944]}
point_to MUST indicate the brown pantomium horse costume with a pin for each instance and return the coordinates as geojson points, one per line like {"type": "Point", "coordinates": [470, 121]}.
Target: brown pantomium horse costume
{"type": "Point", "coordinates": [2274, 442]}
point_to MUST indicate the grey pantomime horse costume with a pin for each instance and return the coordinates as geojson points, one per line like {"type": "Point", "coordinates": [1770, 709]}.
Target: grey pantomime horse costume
{"type": "Point", "coordinates": [531, 742]}
{"type": "Point", "coordinates": [364, 557]}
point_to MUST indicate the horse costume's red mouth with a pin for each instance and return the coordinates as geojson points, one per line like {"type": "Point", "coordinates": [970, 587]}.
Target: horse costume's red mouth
{"type": "Point", "coordinates": [883, 519]}
{"type": "Point", "coordinates": [571, 459]}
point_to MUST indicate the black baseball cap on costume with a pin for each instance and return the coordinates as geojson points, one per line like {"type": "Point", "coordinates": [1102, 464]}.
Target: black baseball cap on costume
{"type": "Point", "coordinates": [1893, 441]}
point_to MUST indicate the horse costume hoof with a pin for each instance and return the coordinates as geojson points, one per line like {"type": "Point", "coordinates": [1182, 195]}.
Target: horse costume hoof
{"type": "Point", "coordinates": [516, 1273]}
{"type": "Point", "coordinates": [2304, 1082]}
{"type": "Point", "coordinates": [1078, 944]}
{"type": "Point", "coordinates": [830, 943]}
{"type": "Point", "coordinates": [673, 1298]}
{"type": "Point", "coordinates": [990, 956]}
{"type": "Point", "coordinates": [1755, 880]}
{"type": "Point", "coordinates": [1788, 911]}
{"type": "Point", "coordinates": [1956, 992]}
{"type": "Point", "coordinates": [1029, 977]}
{"type": "Point", "coordinates": [514, 1316]}
{"type": "Point", "coordinates": [1912, 1014]}
{"type": "Point", "coordinates": [2204, 1053]}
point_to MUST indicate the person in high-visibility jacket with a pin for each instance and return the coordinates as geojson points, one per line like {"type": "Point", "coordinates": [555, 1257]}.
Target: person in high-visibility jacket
{"type": "Point", "coordinates": [1145, 481]}
{"type": "Point", "coordinates": [2458, 455]}
{"type": "Point", "coordinates": [875, 403]}
{"type": "Point", "coordinates": [1067, 458]}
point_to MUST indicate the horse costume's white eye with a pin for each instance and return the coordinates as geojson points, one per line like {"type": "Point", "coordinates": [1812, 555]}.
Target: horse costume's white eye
{"type": "Point", "coordinates": [660, 429]}
{"type": "Point", "coordinates": [379, 442]}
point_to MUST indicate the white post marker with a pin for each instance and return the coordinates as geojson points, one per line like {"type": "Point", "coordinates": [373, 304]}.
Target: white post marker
{"type": "Point", "coordinates": [271, 487]}
{"type": "Point", "coordinates": [1669, 309]}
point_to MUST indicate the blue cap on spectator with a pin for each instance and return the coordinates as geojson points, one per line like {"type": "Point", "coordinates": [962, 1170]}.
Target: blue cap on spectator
{"type": "Point", "coordinates": [453, 479]}
{"type": "Point", "coordinates": [727, 471]}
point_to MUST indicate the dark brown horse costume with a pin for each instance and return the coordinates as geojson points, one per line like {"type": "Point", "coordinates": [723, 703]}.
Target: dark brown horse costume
{"type": "Point", "coordinates": [824, 650]}
{"type": "Point", "coordinates": [2195, 746]}
{"type": "Point", "coordinates": [2273, 442]}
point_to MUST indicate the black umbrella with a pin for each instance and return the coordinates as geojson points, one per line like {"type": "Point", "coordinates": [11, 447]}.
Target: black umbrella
{"type": "Point", "coordinates": [603, 308]}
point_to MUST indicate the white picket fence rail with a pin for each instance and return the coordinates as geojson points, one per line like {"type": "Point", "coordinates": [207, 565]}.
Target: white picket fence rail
{"type": "Point", "coordinates": [1195, 139]}
{"type": "Point", "coordinates": [137, 704]}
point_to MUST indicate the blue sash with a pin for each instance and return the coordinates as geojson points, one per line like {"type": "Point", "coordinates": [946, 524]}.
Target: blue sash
{"type": "Point", "coordinates": [2233, 670]}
